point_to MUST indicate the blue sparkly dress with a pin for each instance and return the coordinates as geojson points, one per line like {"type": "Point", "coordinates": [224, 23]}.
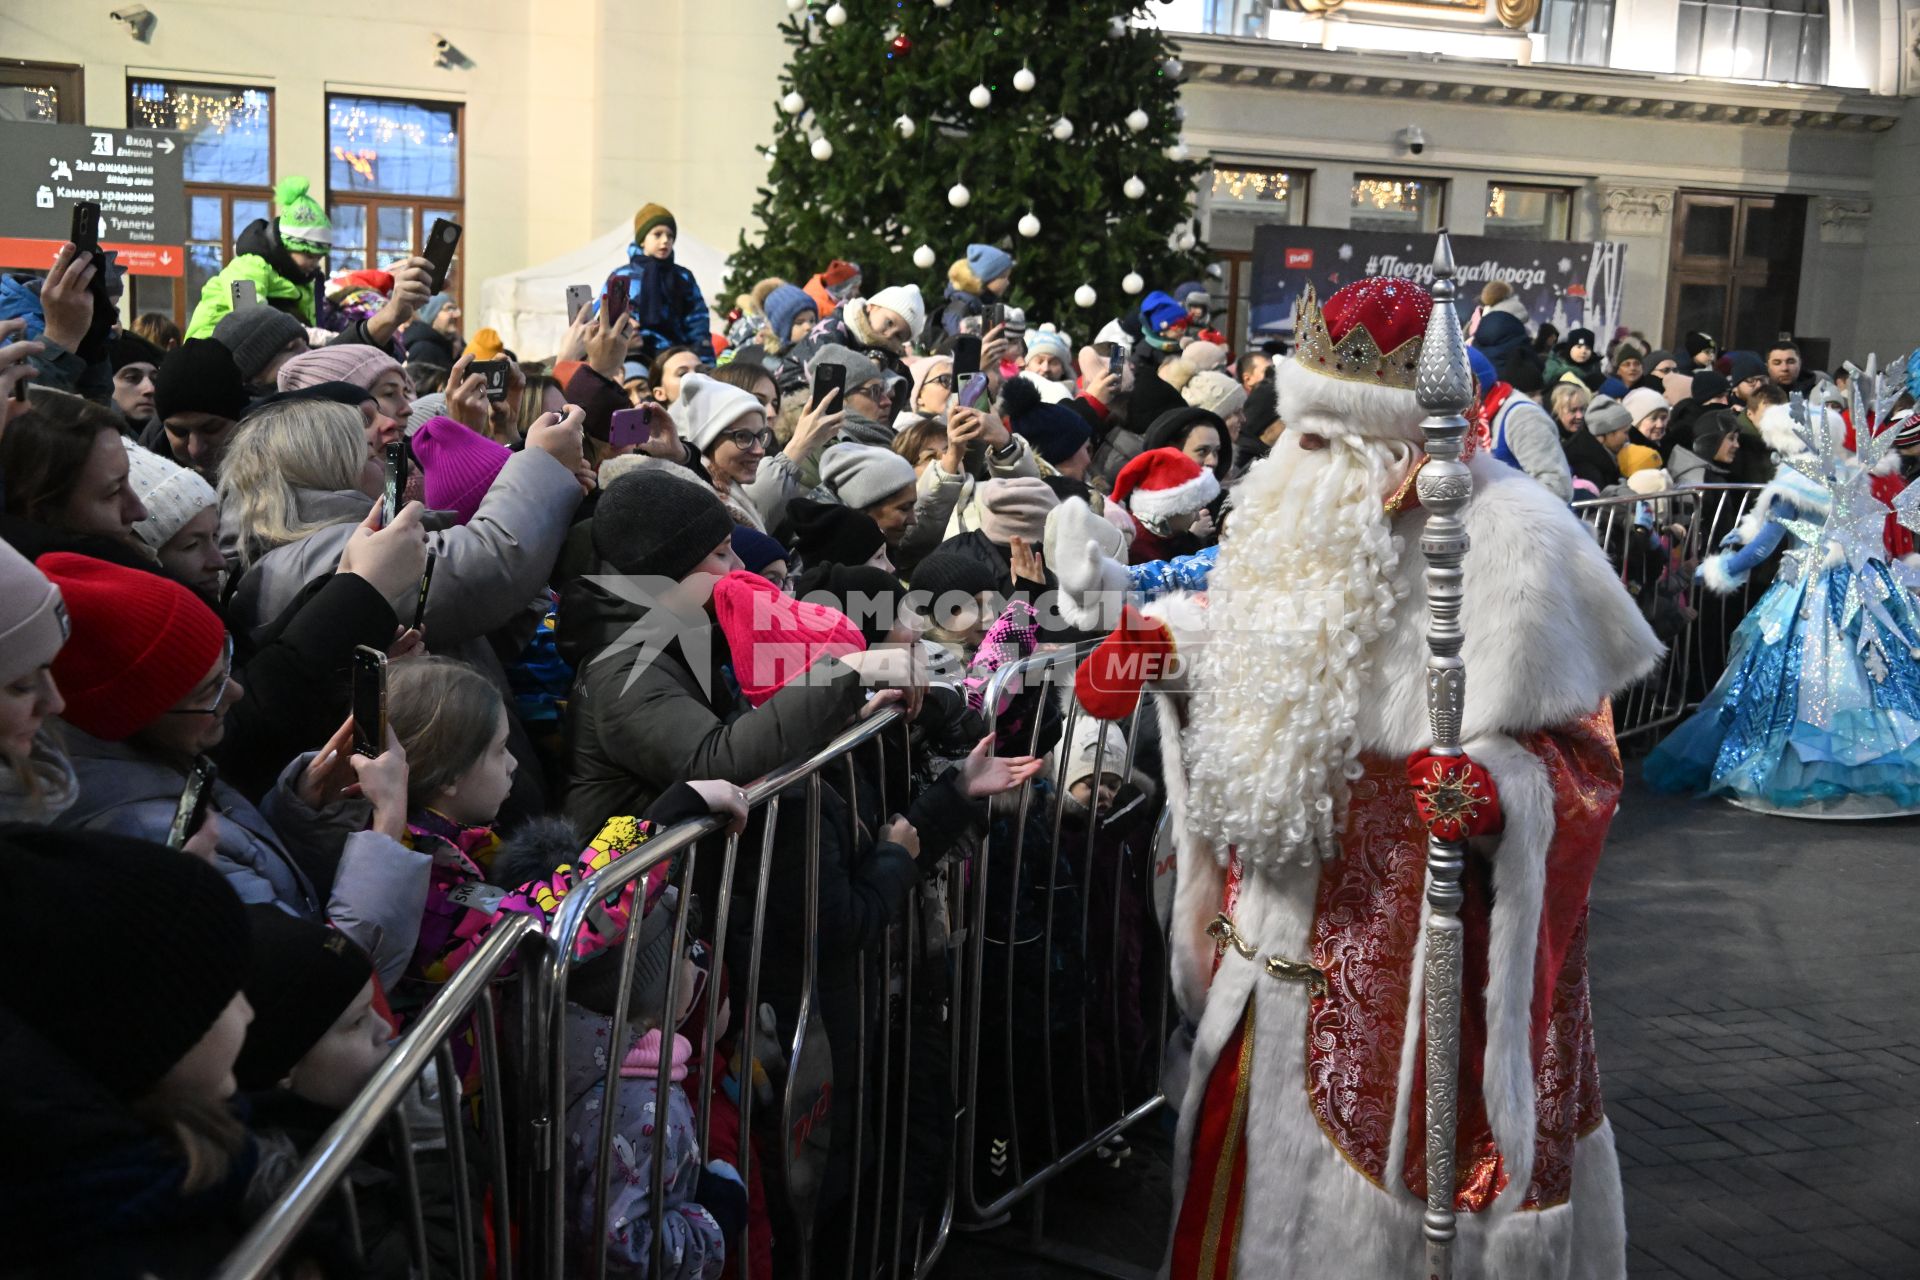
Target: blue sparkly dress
{"type": "Point", "coordinates": [1818, 713]}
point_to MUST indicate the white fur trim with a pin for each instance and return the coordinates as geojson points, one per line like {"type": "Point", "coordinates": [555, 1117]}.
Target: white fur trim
{"type": "Point", "coordinates": [1777, 429]}
{"type": "Point", "coordinates": [1315, 404]}
{"type": "Point", "coordinates": [1714, 576]}
{"type": "Point", "coordinates": [1787, 486]}
{"type": "Point", "coordinates": [1889, 464]}
{"type": "Point", "coordinates": [1158, 504]}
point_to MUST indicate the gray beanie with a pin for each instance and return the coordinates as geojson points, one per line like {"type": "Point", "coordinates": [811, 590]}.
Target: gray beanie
{"type": "Point", "coordinates": [33, 621]}
{"type": "Point", "coordinates": [652, 525]}
{"type": "Point", "coordinates": [860, 368]}
{"type": "Point", "coordinates": [860, 475]}
{"type": "Point", "coordinates": [256, 335]}
{"type": "Point", "coordinates": [1605, 415]}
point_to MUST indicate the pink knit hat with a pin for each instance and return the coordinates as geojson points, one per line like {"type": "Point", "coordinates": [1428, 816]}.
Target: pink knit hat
{"type": "Point", "coordinates": [774, 637]}
{"type": "Point", "coordinates": [353, 362]}
{"type": "Point", "coordinates": [458, 465]}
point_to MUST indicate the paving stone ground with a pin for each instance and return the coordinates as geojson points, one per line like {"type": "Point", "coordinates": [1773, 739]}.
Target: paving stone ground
{"type": "Point", "coordinates": [1756, 985]}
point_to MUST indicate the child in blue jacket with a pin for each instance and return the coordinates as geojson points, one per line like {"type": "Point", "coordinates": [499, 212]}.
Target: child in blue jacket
{"type": "Point", "coordinates": [663, 296]}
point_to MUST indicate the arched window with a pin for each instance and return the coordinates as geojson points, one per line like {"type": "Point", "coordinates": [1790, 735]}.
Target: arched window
{"type": "Point", "coordinates": [1783, 40]}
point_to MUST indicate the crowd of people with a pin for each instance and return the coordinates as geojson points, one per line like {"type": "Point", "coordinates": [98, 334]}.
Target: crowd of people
{"type": "Point", "coordinates": [613, 585]}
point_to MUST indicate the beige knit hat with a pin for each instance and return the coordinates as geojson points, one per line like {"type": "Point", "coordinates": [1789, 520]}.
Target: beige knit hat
{"type": "Point", "coordinates": [1215, 392]}
{"type": "Point", "coordinates": [171, 494]}
{"type": "Point", "coordinates": [33, 620]}
{"type": "Point", "coordinates": [1016, 506]}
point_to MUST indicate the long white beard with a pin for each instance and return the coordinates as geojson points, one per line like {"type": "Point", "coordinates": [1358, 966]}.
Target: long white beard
{"type": "Point", "coordinates": [1305, 586]}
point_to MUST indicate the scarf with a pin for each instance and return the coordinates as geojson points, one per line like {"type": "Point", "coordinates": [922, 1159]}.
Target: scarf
{"type": "Point", "coordinates": [654, 291]}
{"type": "Point", "coordinates": [42, 787]}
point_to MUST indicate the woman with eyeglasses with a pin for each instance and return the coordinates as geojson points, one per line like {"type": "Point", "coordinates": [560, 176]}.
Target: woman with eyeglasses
{"type": "Point", "coordinates": [728, 426]}
{"type": "Point", "coordinates": [147, 679]}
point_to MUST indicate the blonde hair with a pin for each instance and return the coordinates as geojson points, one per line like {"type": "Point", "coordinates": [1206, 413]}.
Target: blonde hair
{"type": "Point", "coordinates": [1495, 291]}
{"type": "Point", "coordinates": [208, 1133]}
{"type": "Point", "coordinates": [1568, 395]}
{"type": "Point", "coordinates": [279, 451]}
{"type": "Point", "coordinates": [961, 276]}
{"type": "Point", "coordinates": [445, 714]}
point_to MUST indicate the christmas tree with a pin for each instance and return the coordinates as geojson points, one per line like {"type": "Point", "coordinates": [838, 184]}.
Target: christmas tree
{"type": "Point", "coordinates": [911, 128]}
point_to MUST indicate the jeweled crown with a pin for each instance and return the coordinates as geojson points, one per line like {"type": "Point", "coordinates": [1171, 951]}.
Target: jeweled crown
{"type": "Point", "coordinates": [1357, 357]}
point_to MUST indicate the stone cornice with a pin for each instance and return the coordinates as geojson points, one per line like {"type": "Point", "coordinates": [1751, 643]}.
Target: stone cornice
{"type": "Point", "coordinates": [1271, 64]}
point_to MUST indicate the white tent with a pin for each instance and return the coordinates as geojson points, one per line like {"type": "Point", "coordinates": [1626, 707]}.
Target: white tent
{"type": "Point", "coordinates": [529, 307]}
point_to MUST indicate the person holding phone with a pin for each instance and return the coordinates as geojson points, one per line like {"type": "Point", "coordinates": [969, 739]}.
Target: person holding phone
{"type": "Point", "coordinates": [982, 277]}
{"type": "Point", "coordinates": [664, 298]}
{"type": "Point", "coordinates": [882, 328]}
{"type": "Point", "coordinates": [282, 257]}
{"type": "Point", "coordinates": [137, 715]}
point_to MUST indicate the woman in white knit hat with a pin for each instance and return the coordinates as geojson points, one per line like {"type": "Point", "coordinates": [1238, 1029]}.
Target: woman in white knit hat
{"type": "Point", "coordinates": [37, 783]}
{"type": "Point", "coordinates": [182, 527]}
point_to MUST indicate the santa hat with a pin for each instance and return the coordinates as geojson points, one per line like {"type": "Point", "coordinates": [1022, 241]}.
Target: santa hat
{"type": "Point", "coordinates": [1352, 372]}
{"type": "Point", "coordinates": [1164, 482]}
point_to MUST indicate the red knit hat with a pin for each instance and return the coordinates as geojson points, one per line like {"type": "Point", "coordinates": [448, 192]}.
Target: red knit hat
{"type": "Point", "coordinates": [458, 464]}
{"type": "Point", "coordinates": [140, 643]}
{"type": "Point", "coordinates": [773, 637]}
{"type": "Point", "coordinates": [1164, 482]}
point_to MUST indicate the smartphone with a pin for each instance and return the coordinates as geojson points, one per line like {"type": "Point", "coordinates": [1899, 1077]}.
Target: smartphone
{"type": "Point", "coordinates": [993, 316]}
{"type": "Point", "coordinates": [396, 481]}
{"type": "Point", "coordinates": [420, 604]}
{"type": "Point", "coordinates": [1117, 362]}
{"type": "Point", "coordinates": [441, 238]}
{"type": "Point", "coordinates": [829, 377]}
{"type": "Point", "coordinates": [579, 297]}
{"type": "Point", "coordinates": [972, 390]}
{"type": "Point", "coordinates": [242, 294]}
{"type": "Point", "coordinates": [616, 301]}
{"type": "Point", "coordinates": [630, 426]}
{"type": "Point", "coordinates": [966, 357]}
{"type": "Point", "coordinates": [369, 701]}
{"type": "Point", "coordinates": [86, 226]}
{"type": "Point", "coordinates": [190, 814]}
{"type": "Point", "coordinates": [496, 373]}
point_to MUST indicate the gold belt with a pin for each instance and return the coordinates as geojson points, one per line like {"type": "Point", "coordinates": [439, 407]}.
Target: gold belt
{"type": "Point", "coordinates": [1223, 933]}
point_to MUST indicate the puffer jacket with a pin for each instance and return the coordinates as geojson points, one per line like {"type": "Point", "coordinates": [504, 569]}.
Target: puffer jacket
{"type": "Point", "coordinates": [688, 323]}
{"type": "Point", "coordinates": [650, 712]}
{"type": "Point", "coordinates": [258, 256]}
{"type": "Point", "coordinates": [488, 573]}
{"type": "Point", "coordinates": [372, 890]}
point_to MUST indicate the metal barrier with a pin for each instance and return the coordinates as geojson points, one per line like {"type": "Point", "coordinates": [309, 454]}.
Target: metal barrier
{"type": "Point", "coordinates": [467, 1000]}
{"type": "Point", "coordinates": [847, 1194]}
{"type": "Point", "coordinates": [1655, 542]}
{"type": "Point", "coordinates": [1049, 1078]}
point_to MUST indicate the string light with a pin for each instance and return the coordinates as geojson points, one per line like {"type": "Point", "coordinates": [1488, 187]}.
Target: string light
{"type": "Point", "coordinates": [1392, 195]}
{"type": "Point", "coordinates": [191, 108]}
{"type": "Point", "coordinates": [1253, 184]}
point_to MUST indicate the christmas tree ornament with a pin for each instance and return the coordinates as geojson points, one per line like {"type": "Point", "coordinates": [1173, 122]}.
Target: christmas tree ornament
{"type": "Point", "coordinates": [1137, 120]}
{"type": "Point", "coordinates": [836, 15]}
{"type": "Point", "coordinates": [958, 195]}
{"type": "Point", "coordinates": [1179, 112]}
{"type": "Point", "coordinates": [900, 46]}
{"type": "Point", "coordinates": [1172, 66]}
{"type": "Point", "coordinates": [1062, 129]}
{"type": "Point", "coordinates": [1116, 26]}
{"type": "Point", "coordinates": [1084, 296]}
{"type": "Point", "coordinates": [1177, 152]}
{"type": "Point", "coordinates": [1029, 226]}
{"type": "Point", "coordinates": [980, 96]}
{"type": "Point", "coordinates": [1023, 80]}
{"type": "Point", "coordinates": [1134, 188]}
{"type": "Point", "coordinates": [1186, 241]}
{"type": "Point", "coordinates": [904, 126]}
{"type": "Point", "coordinates": [943, 4]}
{"type": "Point", "coordinates": [796, 6]}
{"type": "Point", "coordinates": [793, 104]}
{"type": "Point", "coordinates": [1131, 283]}
{"type": "Point", "coordinates": [822, 149]}
{"type": "Point", "coordinates": [923, 257]}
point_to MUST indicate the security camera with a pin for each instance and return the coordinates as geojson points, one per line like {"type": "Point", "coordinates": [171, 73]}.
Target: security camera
{"type": "Point", "coordinates": [447, 55]}
{"type": "Point", "coordinates": [137, 19]}
{"type": "Point", "coordinates": [1414, 138]}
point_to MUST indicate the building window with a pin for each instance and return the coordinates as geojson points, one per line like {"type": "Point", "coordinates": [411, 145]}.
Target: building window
{"type": "Point", "coordinates": [1576, 33]}
{"type": "Point", "coordinates": [41, 93]}
{"type": "Point", "coordinates": [1382, 202]}
{"type": "Point", "coordinates": [1517, 212]}
{"type": "Point", "coordinates": [1272, 195]}
{"type": "Point", "coordinates": [393, 167]}
{"type": "Point", "coordinates": [1782, 40]}
{"type": "Point", "coordinates": [227, 159]}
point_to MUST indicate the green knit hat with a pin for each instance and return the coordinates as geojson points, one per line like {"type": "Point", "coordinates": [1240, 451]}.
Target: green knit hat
{"type": "Point", "coordinates": [304, 227]}
{"type": "Point", "coordinates": [651, 216]}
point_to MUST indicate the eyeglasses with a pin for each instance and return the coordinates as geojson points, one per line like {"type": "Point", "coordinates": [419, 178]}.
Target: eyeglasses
{"type": "Point", "coordinates": [745, 439]}
{"type": "Point", "coordinates": [941, 380]}
{"type": "Point", "coordinates": [220, 691]}
{"type": "Point", "coordinates": [875, 391]}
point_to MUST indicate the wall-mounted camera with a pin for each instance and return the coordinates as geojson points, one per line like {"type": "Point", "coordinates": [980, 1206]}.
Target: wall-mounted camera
{"type": "Point", "coordinates": [137, 19]}
{"type": "Point", "coordinates": [447, 55]}
{"type": "Point", "coordinates": [1414, 139]}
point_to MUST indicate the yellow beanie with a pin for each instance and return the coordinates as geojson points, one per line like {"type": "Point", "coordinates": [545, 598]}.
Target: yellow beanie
{"type": "Point", "coordinates": [486, 345]}
{"type": "Point", "coordinates": [651, 216]}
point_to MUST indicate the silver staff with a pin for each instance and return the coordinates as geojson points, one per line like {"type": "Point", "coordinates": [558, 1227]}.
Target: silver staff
{"type": "Point", "coordinates": [1444, 383]}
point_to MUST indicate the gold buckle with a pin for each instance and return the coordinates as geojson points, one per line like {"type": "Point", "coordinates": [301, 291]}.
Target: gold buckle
{"type": "Point", "coordinates": [1223, 932]}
